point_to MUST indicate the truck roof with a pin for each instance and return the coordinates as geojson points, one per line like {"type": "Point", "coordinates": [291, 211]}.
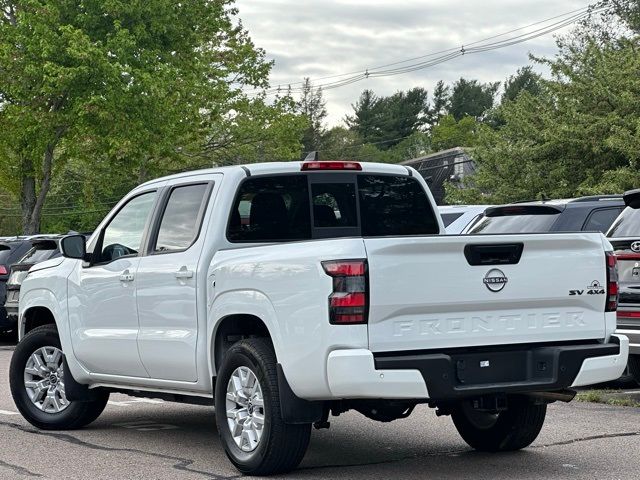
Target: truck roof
{"type": "Point", "coordinates": [267, 168]}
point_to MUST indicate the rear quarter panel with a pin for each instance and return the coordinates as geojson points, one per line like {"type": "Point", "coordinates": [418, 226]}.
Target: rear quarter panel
{"type": "Point", "coordinates": [287, 288]}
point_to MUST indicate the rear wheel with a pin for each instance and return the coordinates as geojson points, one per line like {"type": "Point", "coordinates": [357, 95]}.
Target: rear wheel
{"type": "Point", "coordinates": [250, 425]}
{"type": "Point", "coordinates": [508, 430]}
{"type": "Point", "coordinates": [634, 367]}
{"type": "Point", "coordinates": [36, 377]}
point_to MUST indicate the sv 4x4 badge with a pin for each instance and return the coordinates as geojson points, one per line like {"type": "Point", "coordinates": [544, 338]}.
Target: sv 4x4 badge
{"type": "Point", "coordinates": [594, 289]}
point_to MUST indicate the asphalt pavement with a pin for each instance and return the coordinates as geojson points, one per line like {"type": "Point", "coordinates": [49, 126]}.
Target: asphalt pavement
{"type": "Point", "coordinates": [150, 439]}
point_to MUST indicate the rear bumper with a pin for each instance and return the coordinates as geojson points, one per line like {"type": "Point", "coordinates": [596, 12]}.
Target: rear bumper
{"type": "Point", "coordinates": [458, 373]}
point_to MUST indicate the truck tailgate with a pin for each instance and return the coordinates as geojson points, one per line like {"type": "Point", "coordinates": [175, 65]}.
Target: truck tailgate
{"type": "Point", "coordinates": [426, 294]}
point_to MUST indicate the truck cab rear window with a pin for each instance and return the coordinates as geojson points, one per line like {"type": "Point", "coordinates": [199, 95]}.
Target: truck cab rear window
{"type": "Point", "coordinates": [280, 208]}
{"type": "Point", "coordinates": [394, 206]}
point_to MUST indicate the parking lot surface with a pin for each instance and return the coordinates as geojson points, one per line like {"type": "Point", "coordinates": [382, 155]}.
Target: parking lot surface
{"type": "Point", "coordinates": [150, 439]}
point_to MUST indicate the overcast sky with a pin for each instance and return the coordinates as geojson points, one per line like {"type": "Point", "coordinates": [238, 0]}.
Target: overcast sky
{"type": "Point", "coordinates": [317, 38]}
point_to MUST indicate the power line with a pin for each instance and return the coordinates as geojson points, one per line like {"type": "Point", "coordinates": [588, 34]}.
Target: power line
{"type": "Point", "coordinates": [442, 56]}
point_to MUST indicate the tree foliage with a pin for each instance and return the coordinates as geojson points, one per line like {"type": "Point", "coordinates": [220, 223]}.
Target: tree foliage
{"type": "Point", "coordinates": [313, 108]}
{"type": "Point", "coordinates": [388, 120]}
{"type": "Point", "coordinates": [449, 133]}
{"type": "Point", "coordinates": [121, 88]}
{"type": "Point", "coordinates": [524, 80]}
{"type": "Point", "coordinates": [578, 135]}
{"type": "Point", "coordinates": [471, 98]}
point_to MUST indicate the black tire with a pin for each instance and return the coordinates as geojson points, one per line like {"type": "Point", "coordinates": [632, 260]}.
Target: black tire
{"type": "Point", "coordinates": [75, 415]}
{"type": "Point", "coordinates": [282, 446]}
{"type": "Point", "coordinates": [634, 367]}
{"type": "Point", "coordinates": [512, 429]}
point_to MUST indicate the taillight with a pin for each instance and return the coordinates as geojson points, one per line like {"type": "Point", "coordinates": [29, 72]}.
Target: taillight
{"type": "Point", "coordinates": [3, 270]}
{"type": "Point", "coordinates": [349, 301]}
{"type": "Point", "coordinates": [628, 314]}
{"type": "Point", "coordinates": [306, 166]}
{"type": "Point", "coordinates": [612, 282]}
{"type": "Point", "coordinates": [628, 256]}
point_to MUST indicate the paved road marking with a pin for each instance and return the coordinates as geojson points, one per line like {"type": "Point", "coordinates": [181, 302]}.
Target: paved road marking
{"type": "Point", "coordinates": [7, 412]}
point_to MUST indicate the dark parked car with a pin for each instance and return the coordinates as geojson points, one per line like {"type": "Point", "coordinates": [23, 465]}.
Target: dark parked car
{"type": "Point", "coordinates": [42, 249]}
{"type": "Point", "coordinates": [11, 250]}
{"type": "Point", "coordinates": [624, 235]}
{"type": "Point", "coordinates": [595, 213]}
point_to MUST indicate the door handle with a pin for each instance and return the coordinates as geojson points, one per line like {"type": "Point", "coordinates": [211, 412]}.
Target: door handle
{"type": "Point", "coordinates": [184, 273]}
{"type": "Point", "coordinates": [126, 276]}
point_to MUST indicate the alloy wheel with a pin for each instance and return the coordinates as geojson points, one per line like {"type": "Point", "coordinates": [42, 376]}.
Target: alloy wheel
{"type": "Point", "coordinates": [245, 409]}
{"type": "Point", "coordinates": [44, 380]}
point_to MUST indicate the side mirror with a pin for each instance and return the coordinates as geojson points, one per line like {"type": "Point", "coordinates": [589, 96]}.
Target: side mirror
{"type": "Point", "coordinates": [74, 246]}
{"type": "Point", "coordinates": [632, 198]}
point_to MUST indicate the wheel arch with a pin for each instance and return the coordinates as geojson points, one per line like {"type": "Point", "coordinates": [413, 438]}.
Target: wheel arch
{"type": "Point", "coordinates": [39, 307]}
{"type": "Point", "coordinates": [248, 313]}
{"type": "Point", "coordinates": [36, 316]}
{"type": "Point", "coordinates": [232, 328]}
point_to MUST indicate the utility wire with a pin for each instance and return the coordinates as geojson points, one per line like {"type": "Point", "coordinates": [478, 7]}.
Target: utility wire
{"type": "Point", "coordinates": [442, 56]}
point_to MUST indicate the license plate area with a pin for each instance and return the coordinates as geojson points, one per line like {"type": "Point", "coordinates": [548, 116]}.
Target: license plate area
{"type": "Point", "coordinates": [500, 367]}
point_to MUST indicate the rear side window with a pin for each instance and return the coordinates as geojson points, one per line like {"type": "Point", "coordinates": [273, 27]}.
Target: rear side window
{"type": "Point", "coordinates": [391, 205]}
{"type": "Point", "coordinates": [270, 209]}
{"type": "Point", "coordinates": [600, 220]}
{"type": "Point", "coordinates": [181, 218]}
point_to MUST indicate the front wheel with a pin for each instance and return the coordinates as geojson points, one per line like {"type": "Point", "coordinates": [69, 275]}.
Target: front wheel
{"type": "Point", "coordinates": [36, 377]}
{"type": "Point", "coordinates": [250, 425]}
{"type": "Point", "coordinates": [508, 430]}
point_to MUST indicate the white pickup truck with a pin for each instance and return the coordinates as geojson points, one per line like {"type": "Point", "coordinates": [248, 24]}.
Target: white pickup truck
{"type": "Point", "coordinates": [284, 292]}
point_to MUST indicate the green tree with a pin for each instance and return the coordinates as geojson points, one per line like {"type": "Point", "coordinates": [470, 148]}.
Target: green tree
{"type": "Point", "coordinates": [449, 133]}
{"type": "Point", "coordinates": [126, 83]}
{"type": "Point", "coordinates": [579, 135]}
{"type": "Point", "coordinates": [525, 80]}
{"type": "Point", "coordinates": [386, 121]}
{"type": "Point", "coordinates": [340, 143]}
{"type": "Point", "coordinates": [440, 104]}
{"type": "Point", "coordinates": [402, 114]}
{"type": "Point", "coordinates": [314, 108]}
{"type": "Point", "coordinates": [365, 119]}
{"type": "Point", "coordinates": [472, 98]}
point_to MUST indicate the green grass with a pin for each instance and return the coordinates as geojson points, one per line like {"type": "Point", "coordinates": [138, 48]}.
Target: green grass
{"type": "Point", "coordinates": [606, 397]}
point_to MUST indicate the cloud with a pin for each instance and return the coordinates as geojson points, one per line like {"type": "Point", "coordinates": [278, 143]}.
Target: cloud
{"type": "Point", "coordinates": [317, 38]}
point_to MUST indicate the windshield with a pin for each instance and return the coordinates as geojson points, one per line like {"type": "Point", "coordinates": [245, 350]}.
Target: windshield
{"type": "Point", "coordinates": [626, 225]}
{"type": "Point", "coordinates": [514, 224]}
